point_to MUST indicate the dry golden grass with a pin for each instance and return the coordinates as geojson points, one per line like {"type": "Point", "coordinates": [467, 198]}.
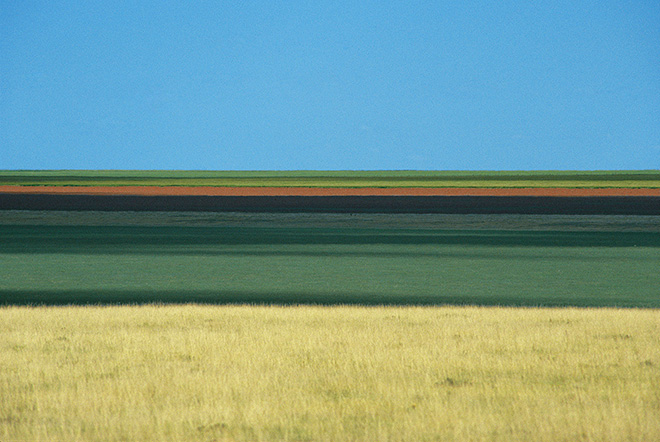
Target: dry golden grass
{"type": "Point", "coordinates": [223, 373]}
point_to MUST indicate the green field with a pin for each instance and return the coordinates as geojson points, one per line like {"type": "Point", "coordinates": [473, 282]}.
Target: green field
{"type": "Point", "coordinates": [579, 179]}
{"type": "Point", "coordinates": [281, 261]}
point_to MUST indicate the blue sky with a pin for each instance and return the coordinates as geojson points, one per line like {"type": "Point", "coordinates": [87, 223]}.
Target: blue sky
{"type": "Point", "coordinates": [277, 85]}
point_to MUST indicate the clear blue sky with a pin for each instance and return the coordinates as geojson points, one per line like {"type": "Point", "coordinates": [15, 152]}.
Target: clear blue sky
{"type": "Point", "coordinates": [460, 85]}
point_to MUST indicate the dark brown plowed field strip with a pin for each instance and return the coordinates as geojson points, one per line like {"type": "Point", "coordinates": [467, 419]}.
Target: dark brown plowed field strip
{"type": "Point", "coordinates": [311, 191]}
{"type": "Point", "coordinates": [570, 205]}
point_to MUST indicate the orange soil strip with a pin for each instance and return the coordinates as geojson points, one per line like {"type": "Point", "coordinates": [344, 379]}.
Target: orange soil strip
{"type": "Point", "coordinates": [322, 191]}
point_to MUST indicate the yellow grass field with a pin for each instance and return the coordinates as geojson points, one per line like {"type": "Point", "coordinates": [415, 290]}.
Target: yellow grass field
{"type": "Point", "coordinates": [305, 373]}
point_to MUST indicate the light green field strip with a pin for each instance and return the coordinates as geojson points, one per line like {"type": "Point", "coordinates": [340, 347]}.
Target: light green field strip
{"type": "Point", "coordinates": [566, 179]}
{"type": "Point", "coordinates": [288, 264]}
{"type": "Point", "coordinates": [241, 373]}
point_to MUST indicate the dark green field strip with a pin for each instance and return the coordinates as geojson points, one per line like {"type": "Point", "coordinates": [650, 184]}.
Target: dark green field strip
{"type": "Point", "coordinates": [648, 178]}
{"type": "Point", "coordinates": [90, 265]}
{"type": "Point", "coordinates": [610, 205]}
{"type": "Point", "coordinates": [567, 174]}
{"type": "Point", "coordinates": [361, 221]}
{"type": "Point", "coordinates": [204, 240]}
{"type": "Point", "coordinates": [154, 174]}
{"type": "Point", "coordinates": [274, 297]}
{"type": "Point", "coordinates": [83, 180]}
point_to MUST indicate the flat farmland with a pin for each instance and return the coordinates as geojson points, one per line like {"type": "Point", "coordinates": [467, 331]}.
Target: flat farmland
{"type": "Point", "coordinates": [574, 193]}
{"type": "Point", "coordinates": [336, 179]}
{"type": "Point", "coordinates": [292, 259]}
{"type": "Point", "coordinates": [379, 323]}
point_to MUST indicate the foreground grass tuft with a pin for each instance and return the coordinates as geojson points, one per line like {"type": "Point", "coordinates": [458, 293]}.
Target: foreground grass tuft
{"type": "Point", "coordinates": [237, 373]}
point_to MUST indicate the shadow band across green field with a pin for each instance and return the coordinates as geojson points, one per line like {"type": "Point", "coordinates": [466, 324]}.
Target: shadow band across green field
{"type": "Point", "coordinates": [61, 265]}
{"type": "Point", "coordinates": [628, 205]}
{"type": "Point", "coordinates": [315, 241]}
{"type": "Point", "coordinates": [210, 297]}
